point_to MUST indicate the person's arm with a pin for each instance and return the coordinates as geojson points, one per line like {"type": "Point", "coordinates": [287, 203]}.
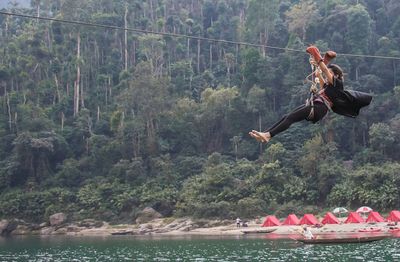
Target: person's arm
{"type": "Point", "coordinates": [326, 72]}
{"type": "Point", "coordinates": [313, 50]}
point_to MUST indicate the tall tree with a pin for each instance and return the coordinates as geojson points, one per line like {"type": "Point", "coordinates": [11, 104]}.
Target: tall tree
{"type": "Point", "coordinates": [300, 16]}
{"type": "Point", "coordinates": [261, 19]}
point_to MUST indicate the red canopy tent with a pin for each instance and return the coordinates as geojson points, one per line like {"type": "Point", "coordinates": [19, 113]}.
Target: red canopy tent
{"type": "Point", "coordinates": [271, 221]}
{"type": "Point", "coordinates": [394, 216]}
{"type": "Point", "coordinates": [292, 219]}
{"type": "Point", "coordinates": [309, 219]}
{"type": "Point", "coordinates": [354, 217]}
{"type": "Point", "coordinates": [330, 218]}
{"type": "Point", "coordinates": [375, 217]}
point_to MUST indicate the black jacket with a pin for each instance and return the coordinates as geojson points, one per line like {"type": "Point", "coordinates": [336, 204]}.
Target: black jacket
{"type": "Point", "coordinates": [346, 102]}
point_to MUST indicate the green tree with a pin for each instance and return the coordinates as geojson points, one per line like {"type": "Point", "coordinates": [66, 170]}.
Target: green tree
{"type": "Point", "coordinates": [261, 20]}
{"type": "Point", "coordinates": [381, 137]}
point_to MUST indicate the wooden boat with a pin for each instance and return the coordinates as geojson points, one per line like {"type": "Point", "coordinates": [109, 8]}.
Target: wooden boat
{"type": "Point", "coordinates": [370, 230]}
{"type": "Point", "coordinates": [122, 232]}
{"type": "Point", "coordinates": [360, 239]}
{"type": "Point", "coordinates": [259, 231]}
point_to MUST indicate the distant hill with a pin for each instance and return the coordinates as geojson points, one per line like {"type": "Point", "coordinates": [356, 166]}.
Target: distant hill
{"type": "Point", "coordinates": [21, 3]}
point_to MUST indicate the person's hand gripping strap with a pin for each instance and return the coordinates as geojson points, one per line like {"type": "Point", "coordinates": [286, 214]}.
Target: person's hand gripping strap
{"type": "Point", "coordinates": [329, 55]}
{"type": "Point", "coordinates": [314, 52]}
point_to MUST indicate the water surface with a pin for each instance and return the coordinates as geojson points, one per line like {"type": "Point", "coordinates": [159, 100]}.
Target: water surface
{"type": "Point", "coordinates": [241, 248]}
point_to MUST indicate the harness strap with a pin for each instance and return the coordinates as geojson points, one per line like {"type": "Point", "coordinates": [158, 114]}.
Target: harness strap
{"type": "Point", "coordinates": [310, 102]}
{"type": "Point", "coordinates": [314, 91]}
{"type": "Point", "coordinates": [326, 102]}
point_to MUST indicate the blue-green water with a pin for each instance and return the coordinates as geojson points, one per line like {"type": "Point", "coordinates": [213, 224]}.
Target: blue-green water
{"type": "Point", "coordinates": [128, 248]}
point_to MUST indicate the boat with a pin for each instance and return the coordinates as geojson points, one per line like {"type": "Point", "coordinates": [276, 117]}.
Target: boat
{"type": "Point", "coordinates": [344, 240]}
{"type": "Point", "coordinates": [122, 232]}
{"type": "Point", "coordinates": [393, 230]}
{"type": "Point", "coordinates": [259, 231]}
{"type": "Point", "coordinates": [370, 230]}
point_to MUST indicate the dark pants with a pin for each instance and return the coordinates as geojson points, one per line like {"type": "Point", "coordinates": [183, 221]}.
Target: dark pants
{"type": "Point", "coordinates": [297, 115]}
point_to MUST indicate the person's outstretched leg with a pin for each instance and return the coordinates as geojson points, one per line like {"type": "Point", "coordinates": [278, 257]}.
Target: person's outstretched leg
{"type": "Point", "coordinates": [299, 114]}
{"type": "Point", "coordinates": [266, 136]}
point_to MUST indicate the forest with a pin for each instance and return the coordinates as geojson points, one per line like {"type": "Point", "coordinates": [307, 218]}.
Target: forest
{"type": "Point", "coordinates": [102, 121]}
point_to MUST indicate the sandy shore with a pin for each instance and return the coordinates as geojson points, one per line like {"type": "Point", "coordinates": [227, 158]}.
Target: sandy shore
{"type": "Point", "coordinates": [185, 227]}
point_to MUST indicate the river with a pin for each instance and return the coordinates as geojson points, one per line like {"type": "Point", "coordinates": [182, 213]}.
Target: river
{"type": "Point", "coordinates": [241, 248]}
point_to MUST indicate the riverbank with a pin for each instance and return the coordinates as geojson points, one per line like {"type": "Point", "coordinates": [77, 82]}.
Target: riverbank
{"type": "Point", "coordinates": [226, 227]}
{"type": "Point", "coordinates": [186, 226]}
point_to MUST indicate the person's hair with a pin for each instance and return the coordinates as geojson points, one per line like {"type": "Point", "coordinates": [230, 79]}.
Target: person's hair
{"type": "Point", "coordinates": [336, 70]}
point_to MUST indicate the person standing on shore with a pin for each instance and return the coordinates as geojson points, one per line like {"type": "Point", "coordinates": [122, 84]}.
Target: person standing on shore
{"type": "Point", "coordinates": [307, 234]}
{"type": "Point", "coordinates": [238, 221]}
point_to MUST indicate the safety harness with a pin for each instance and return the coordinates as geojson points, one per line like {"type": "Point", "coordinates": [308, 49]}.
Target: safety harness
{"type": "Point", "coordinates": [314, 90]}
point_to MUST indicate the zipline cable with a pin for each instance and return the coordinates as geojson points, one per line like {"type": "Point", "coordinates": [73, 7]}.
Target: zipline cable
{"type": "Point", "coordinates": [181, 35]}
{"type": "Point", "coordinates": [146, 31]}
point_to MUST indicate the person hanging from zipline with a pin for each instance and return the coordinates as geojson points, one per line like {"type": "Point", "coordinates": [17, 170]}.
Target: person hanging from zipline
{"type": "Point", "coordinates": [331, 96]}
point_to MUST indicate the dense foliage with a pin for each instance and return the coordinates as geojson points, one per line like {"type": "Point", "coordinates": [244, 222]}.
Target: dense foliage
{"type": "Point", "coordinates": [101, 123]}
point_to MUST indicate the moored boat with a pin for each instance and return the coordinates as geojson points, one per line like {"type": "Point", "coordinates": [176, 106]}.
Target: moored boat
{"type": "Point", "coordinates": [122, 232]}
{"type": "Point", "coordinates": [344, 240]}
{"type": "Point", "coordinates": [370, 230]}
{"type": "Point", "coordinates": [259, 231]}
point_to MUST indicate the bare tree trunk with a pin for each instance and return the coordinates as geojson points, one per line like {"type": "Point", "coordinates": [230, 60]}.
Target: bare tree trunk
{"type": "Point", "coordinates": [126, 35]}
{"type": "Point", "coordinates": [57, 88]}
{"type": "Point", "coordinates": [48, 36]}
{"type": "Point", "coordinates": [357, 72]}
{"type": "Point", "coordinates": [9, 111]}
{"type": "Point", "coordinates": [109, 88]}
{"type": "Point", "coordinates": [96, 53]}
{"type": "Point", "coordinates": [198, 56]}
{"type": "Point", "coordinates": [7, 22]}
{"type": "Point", "coordinates": [266, 39]}
{"type": "Point", "coordinates": [394, 73]}
{"type": "Point", "coordinates": [106, 94]}
{"type": "Point", "coordinates": [98, 113]}
{"type": "Point", "coordinates": [78, 77]}
{"type": "Point", "coordinates": [211, 57]}
{"type": "Point", "coordinates": [236, 55]}
{"type": "Point", "coordinates": [38, 11]}
{"type": "Point", "coordinates": [82, 97]}
{"type": "Point", "coordinates": [134, 53]}
{"type": "Point", "coordinates": [16, 121]}
{"type": "Point", "coordinates": [62, 120]}
{"type": "Point", "coordinates": [151, 10]}
{"type": "Point", "coordinates": [188, 48]}
{"type": "Point", "coordinates": [121, 124]}
{"type": "Point", "coordinates": [87, 145]}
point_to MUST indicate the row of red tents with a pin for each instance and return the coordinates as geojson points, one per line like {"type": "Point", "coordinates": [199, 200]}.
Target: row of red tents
{"type": "Point", "coordinates": [329, 218]}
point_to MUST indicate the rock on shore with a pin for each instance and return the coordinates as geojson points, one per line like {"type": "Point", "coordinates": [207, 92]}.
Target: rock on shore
{"type": "Point", "coordinates": [58, 225]}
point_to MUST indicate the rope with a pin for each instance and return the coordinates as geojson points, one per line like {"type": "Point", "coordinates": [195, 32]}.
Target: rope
{"type": "Point", "coordinates": [181, 35]}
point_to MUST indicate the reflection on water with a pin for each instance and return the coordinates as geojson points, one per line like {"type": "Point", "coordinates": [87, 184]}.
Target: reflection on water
{"type": "Point", "coordinates": [269, 247]}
